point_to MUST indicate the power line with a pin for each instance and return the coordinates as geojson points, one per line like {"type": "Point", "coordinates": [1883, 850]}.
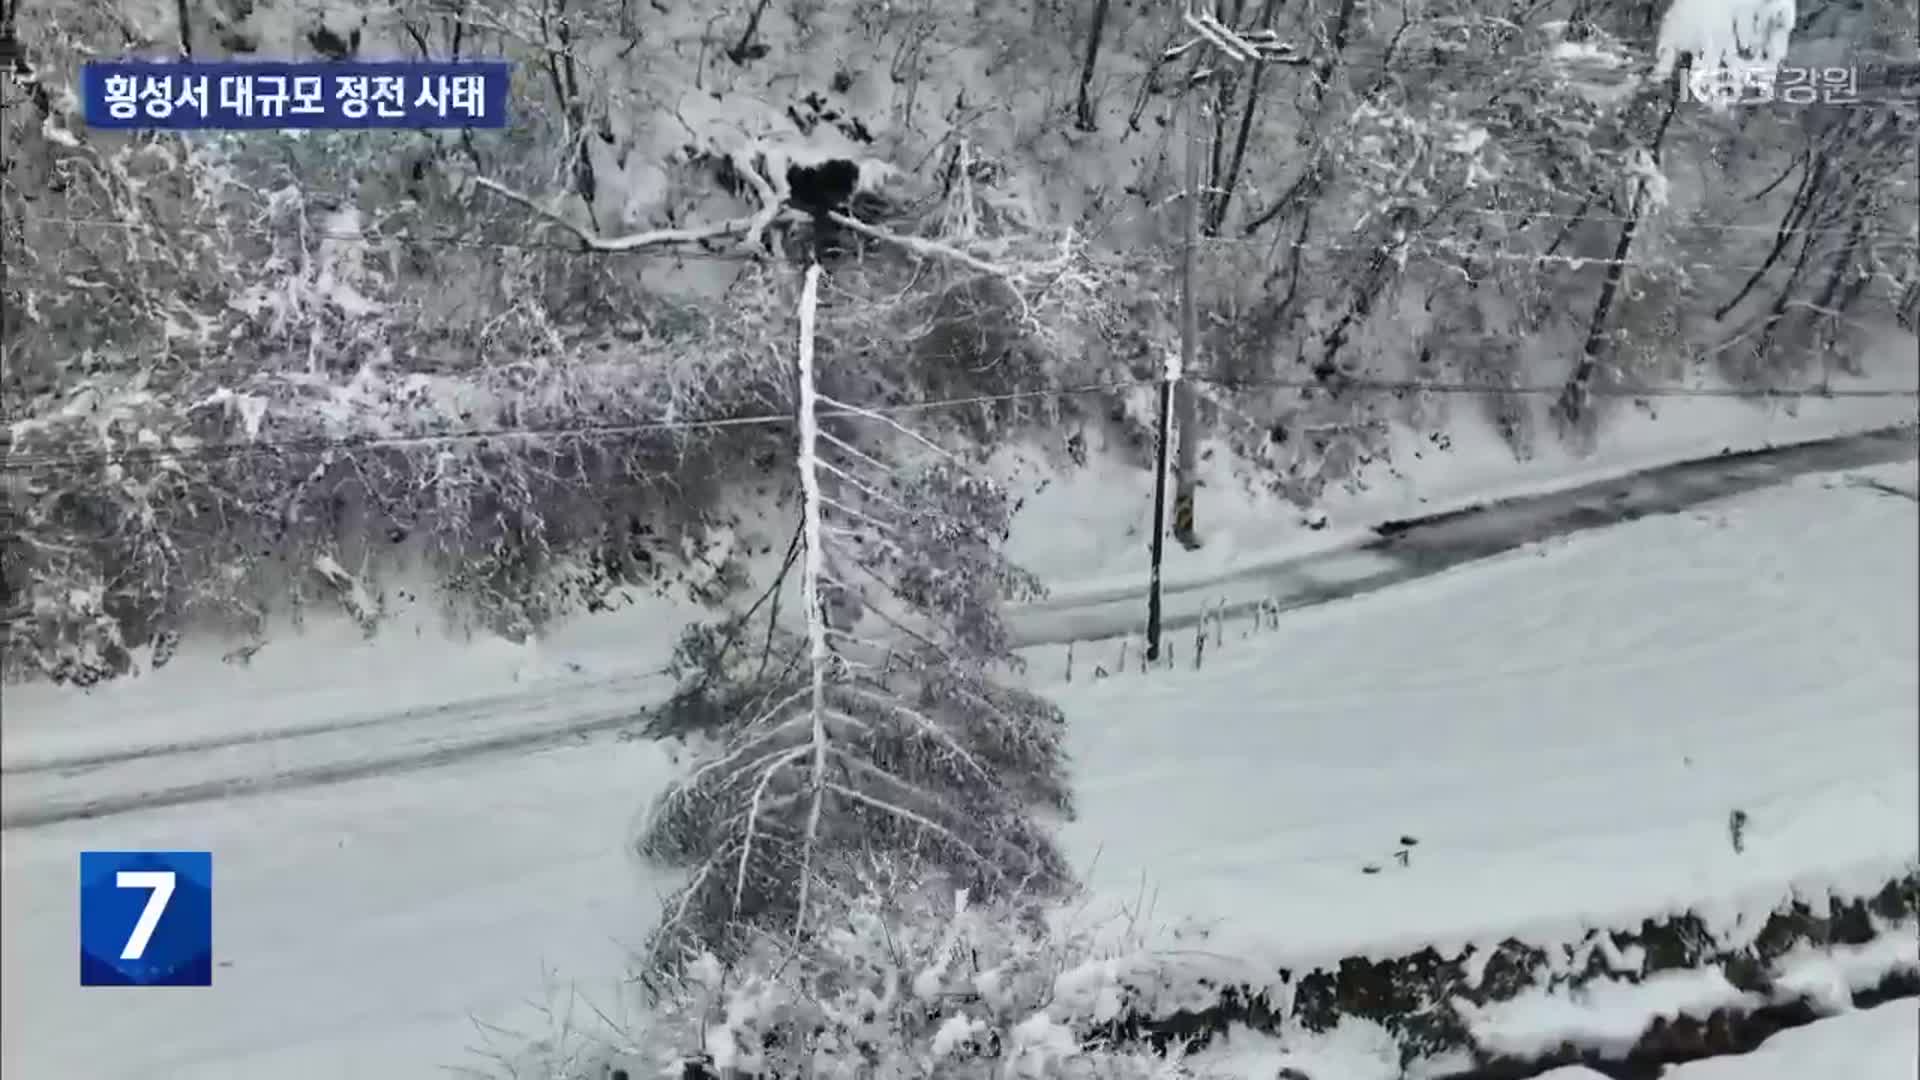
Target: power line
{"type": "Point", "coordinates": [607, 430]}
{"type": "Point", "coordinates": [1456, 250]}
{"type": "Point", "coordinates": [23, 461]}
{"type": "Point", "coordinates": [1633, 50]}
{"type": "Point", "coordinates": [1702, 226]}
{"type": "Point", "coordinates": [447, 240]}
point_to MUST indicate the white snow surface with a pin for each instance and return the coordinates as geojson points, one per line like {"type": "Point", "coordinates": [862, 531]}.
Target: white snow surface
{"type": "Point", "coordinates": [1828, 978]}
{"type": "Point", "coordinates": [1882, 1043]}
{"type": "Point", "coordinates": [1605, 1015]}
{"type": "Point", "coordinates": [1565, 732]}
{"type": "Point", "coordinates": [1086, 532]}
{"type": "Point", "coordinates": [1735, 34]}
{"type": "Point", "coordinates": [1610, 1015]}
{"type": "Point", "coordinates": [367, 929]}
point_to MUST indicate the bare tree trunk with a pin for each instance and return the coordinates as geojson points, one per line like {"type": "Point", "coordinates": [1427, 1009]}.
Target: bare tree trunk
{"type": "Point", "coordinates": [1217, 204]}
{"type": "Point", "coordinates": [744, 50]}
{"type": "Point", "coordinates": [1777, 310]}
{"type": "Point", "coordinates": [1083, 110]}
{"type": "Point", "coordinates": [1378, 273]}
{"type": "Point", "coordinates": [1312, 175]}
{"type": "Point", "coordinates": [1572, 404]}
{"type": "Point", "coordinates": [565, 75]}
{"type": "Point", "coordinates": [1797, 212]}
{"type": "Point", "coordinates": [1186, 406]}
{"type": "Point", "coordinates": [185, 17]}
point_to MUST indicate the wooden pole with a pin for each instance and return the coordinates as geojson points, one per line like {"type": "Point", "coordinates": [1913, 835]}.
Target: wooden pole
{"type": "Point", "coordinates": [1186, 408]}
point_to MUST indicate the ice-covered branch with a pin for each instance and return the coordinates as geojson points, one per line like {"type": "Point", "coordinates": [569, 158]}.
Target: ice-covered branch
{"type": "Point", "coordinates": [753, 819]}
{"type": "Point", "coordinates": [815, 564]}
{"type": "Point", "coordinates": [771, 201]}
{"type": "Point", "coordinates": [925, 248]}
{"type": "Point", "coordinates": [855, 410]}
{"type": "Point", "coordinates": [919, 819]}
{"type": "Point", "coordinates": [743, 227]}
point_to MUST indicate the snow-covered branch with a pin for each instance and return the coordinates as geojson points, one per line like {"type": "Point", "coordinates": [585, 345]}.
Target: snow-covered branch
{"type": "Point", "coordinates": [749, 227]}
{"type": "Point", "coordinates": [814, 563]}
{"type": "Point", "coordinates": [925, 248]}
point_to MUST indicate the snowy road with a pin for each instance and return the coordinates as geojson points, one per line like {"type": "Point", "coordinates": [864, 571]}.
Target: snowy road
{"type": "Point", "coordinates": [358, 925]}
{"type": "Point", "coordinates": [1565, 728]}
{"type": "Point", "coordinates": [91, 782]}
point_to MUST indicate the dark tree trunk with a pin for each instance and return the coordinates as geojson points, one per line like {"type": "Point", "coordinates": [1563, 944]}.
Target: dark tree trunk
{"type": "Point", "coordinates": [1083, 109]}
{"type": "Point", "coordinates": [1572, 405]}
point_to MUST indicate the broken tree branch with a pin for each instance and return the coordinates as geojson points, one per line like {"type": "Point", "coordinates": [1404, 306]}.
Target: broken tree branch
{"type": "Point", "coordinates": [742, 227]}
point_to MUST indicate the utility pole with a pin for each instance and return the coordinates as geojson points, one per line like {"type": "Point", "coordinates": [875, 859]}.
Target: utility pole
{"type": "Point", "coordinates": [1168, 377]}
{"type": "Point", "coordinates": [1186, 408]}
{"type": "Point", "coordinates": [1249, 46]}
{"type": "Point", "coordinates": [1240, 46]}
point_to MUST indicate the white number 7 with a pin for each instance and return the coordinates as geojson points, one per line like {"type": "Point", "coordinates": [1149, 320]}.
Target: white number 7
{"type": "Point", "coordinates": [161, 882]}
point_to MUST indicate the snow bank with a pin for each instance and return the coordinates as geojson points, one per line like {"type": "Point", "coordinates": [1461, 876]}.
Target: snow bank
{"type": "Point", "coordinates": [1609, 1017]}
{"type": "Point", "coordinates": [1874, 1044]}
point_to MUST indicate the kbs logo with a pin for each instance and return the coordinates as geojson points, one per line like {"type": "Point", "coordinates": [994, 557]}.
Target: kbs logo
{"type": "Point", "coordinates": [146, 918]}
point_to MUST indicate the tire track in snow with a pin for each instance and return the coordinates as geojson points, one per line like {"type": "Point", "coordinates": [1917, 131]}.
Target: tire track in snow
{"type": "Point", "coordinates": [453, 710]}
{"type": "Point", "coordinates": [1402, 551]}
{"type": "Point", "coordinates": [333, 772]}
{"type": "Point", "coordinates": [1421, 547]}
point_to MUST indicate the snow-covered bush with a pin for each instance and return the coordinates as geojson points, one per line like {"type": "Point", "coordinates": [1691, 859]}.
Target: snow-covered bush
{"type": "Point", "coordinates": [898, 988]}
{"type": "Point", "coordinates": [907, 981]}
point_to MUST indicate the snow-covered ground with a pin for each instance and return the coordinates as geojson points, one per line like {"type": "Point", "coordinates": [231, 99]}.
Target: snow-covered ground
{"type": "Point", "coordinates": [1564, 730]}
{"type": "Point", "coordinates": [360, 929]}
{"type": "Point", "coordinates": [1086, 532]}
{"type": "Point", "coordinates": [1873, 1044]}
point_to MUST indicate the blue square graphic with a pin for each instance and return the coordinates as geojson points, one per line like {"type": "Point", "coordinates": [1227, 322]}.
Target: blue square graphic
{"type": "Point", "coordinates": [146, 918]}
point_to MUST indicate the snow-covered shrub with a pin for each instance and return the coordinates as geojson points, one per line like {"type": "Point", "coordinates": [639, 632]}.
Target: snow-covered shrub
{"type": "Point", "coordinates": [908, 981]}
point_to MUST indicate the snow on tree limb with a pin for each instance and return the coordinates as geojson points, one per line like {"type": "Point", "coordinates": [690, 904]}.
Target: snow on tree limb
{"type": "Point", "coordinates": [890, 422]}
{"type": "Point", "coordinates": [815, 568]}
{"type": "Point", "coordinates": [771, 201]}
{"type": "Point", "coordinates": [921, 820]}
{"type": "Point", "coordinates": [1736, 35]}
{"type": "Point", "coordinates": [744, 227]}
{"type": "Point", "coordinates": [753, 820]}
{"type": "Point", "coordinates": [920, 246]}
{"type": "Point", "coordinates": [750, 229]}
